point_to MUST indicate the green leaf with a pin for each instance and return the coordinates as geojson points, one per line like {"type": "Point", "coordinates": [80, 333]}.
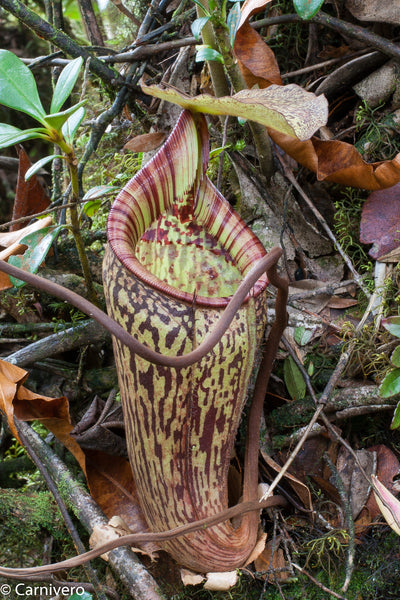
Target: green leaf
{"type": "Point", "coordinates": [306, 9]}
{"type": "Point", "coordinates": [395, 424]}
{"type": "Point", "coordinates": [395, 358]}
{"type": "Point", "coordinates": [217, 151]}
{"type": "Point", "coordinates": [10, 135]}
{"type": "Point", "coordinates": [302, 335]}
{"type": "Point", "coordinates": [233, 22]}
{"type": "Point", "coordinates": [294, 379]}
{"type": "Point", "coordinates": [207, 53]}
{"type": "Point", "coordinates": [84, 596]}
{"type": "Point", "coordinates": [198, 25]}
{"type": "Point", "coordinates": [98, 191]}
{"type": "Point", "coordinates": [390, 386]}
{"type": "Point", "coordinates": [392, 324]}
{"type": "Point", "coordinates": [91, 207]}
{"type": "Point", "coordinates": [65, 84]}
{"type": "Point", "coordinates": [18, 87]}
{"type": "Point", "coordinates": [57, 120]}
{"type": "Point", "coordinates": [71, 125]}
{"type": "Point", "coordinates": [39, 164]}
{"type": "Point", "coordinates": [39, 243]}
{"type": "Point", "coordinates": [203, 8]}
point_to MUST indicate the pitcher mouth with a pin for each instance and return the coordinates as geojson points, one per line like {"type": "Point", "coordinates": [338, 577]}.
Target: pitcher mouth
{"type": "Point", "coordinates": [172, 229]}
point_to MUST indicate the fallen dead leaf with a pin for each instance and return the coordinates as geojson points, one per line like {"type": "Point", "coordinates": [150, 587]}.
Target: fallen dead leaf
{"type": "Point", "coordinates": [221, 582]}
{"type": "Point", "coordinates": [146, 142]}
{"type": "Point", "coordinates": [380, 222]}
{"type": "Point", "coordinates": [273, 559]}
{"type": "Point", "coordinates": [30, 196]}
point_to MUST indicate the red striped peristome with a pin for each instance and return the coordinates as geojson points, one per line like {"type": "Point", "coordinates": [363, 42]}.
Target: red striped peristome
{"type": "Point", "coordinates": [181, 424]}
{"type": "Point", "coordinates": [176, 176]}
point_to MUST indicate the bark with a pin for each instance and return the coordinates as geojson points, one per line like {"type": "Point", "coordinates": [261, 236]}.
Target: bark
{"type": "Point", "coordinates": [87, 332]}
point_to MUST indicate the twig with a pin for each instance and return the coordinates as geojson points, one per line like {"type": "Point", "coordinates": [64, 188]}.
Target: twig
{"type": "Point", "coordinates": [39, 214]}
{"type": "Point", "coordinates": [69, 339]}
{"type": "Point", "coordinates": [122, 8]}
{"type": "Point", "coordinates": [267, 264]}
{"type": "Point", "coordinates": [317, 583]}
{"type": "Point", "coordinates": [90, 22]}
{"type": "Point", "coordinates": [346, 502]}
{"type": "Point", "coordinates": [345, 28]}
{"type": "Point", "coordinates": [60, 39]}
{"type": "Point", "coordinates": [329, 288]}
{"type": "Point", "coordinates": [322, 65]}
{"type": "Point", "coordinates": [90, 572]}
{"type": "Point", "coordinates": [132, 573]}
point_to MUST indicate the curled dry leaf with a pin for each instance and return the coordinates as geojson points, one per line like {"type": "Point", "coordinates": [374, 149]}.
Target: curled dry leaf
{"type": "Point", "coordinates": [146, 142]}
{"type": "Point", "coordinates": [102, 534]}
{"type": "Point", "coordinates": [221, 582]}
{"type": "Point", "coordinates": [189, 577]}
{"type": "Point", "coordinates": [16, 400]}
{"type": "Point", "coordinates": [288, 109]}
{"type": "Point", "coordinates": [331, 160]}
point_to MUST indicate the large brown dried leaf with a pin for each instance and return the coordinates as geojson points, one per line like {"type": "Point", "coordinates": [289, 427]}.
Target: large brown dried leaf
{"type": "Point", "coordinates": [30, 196]}
{"type": "Point", "coordinates": [331, 160]}
{"type": "Point", "coordinates": [16, 400]}
{"type": "Point", "coordinates": [112, 487]}
{"type": "Point", "coordinates": [256, 59]}
{"type": "Point", "coordinates": [145, 142]}
{"type": "Point", "coordinates": [380, 221]}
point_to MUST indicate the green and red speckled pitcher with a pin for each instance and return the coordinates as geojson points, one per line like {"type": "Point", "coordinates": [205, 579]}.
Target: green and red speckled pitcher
{"type": "Point", "coordinates": [177, 252]}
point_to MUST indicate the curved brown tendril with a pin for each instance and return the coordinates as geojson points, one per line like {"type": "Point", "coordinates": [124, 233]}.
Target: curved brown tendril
{"type": "Point", "coordinates": [138, 538]}
{"type": "Point", "coordinates": [266, 264]}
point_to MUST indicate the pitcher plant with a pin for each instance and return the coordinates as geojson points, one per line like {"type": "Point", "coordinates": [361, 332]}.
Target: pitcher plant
{"type": "Point", "coordinates": [177, 253]}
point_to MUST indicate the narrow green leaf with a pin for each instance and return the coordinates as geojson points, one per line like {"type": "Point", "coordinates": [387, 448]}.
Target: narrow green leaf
{"type": "Point", "coordinates": [306, 9]}
{"type": "Point", "coordinates": [39, 243]}
{"type": "Point", "coordinates": [71, 125]}
{"type": "Point", "coordinates": [99, 191]}
{"type": "Point", "coordinates": [293, 379]}
{"type": "Point", "coordinates": [233, 22]}
{"type": "Point", "coordinates": [390, 386]}
{"type": "Point", "coordinates": [395, 358]}
{"type": "Point", "coordinates": [203, 8]}
{"type": "Point", "coordinates": [18, 87]}
{"type": "Point", "coordinates": [198, 25]}
{"type": "Point", "coordinates": [39, 164]}
{"type": "Point", "coordinates": [207, 53]}
{"type": "Point", "coordinates": [10, 135]}
{"type": "Point", "coordinates": [217, 151]}
{"type": "Point", "coordinates": [65, 84]}
{"type": "Point", "coordinates": [57, 120]}
{"type": "Point", "coordinates": [395, 424]}
{"type": "Point", "coordinates": [392, 324]}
